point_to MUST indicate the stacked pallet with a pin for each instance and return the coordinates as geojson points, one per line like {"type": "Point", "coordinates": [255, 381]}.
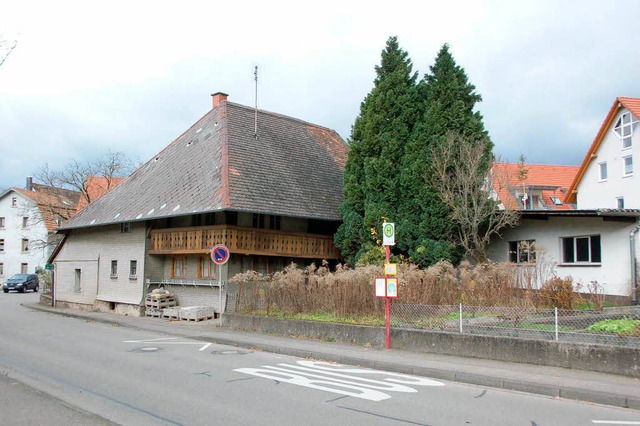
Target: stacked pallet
{"type": "Point", "coordinates": [158, 301]}
{"type": "Point", "coordinates": [196, 313]}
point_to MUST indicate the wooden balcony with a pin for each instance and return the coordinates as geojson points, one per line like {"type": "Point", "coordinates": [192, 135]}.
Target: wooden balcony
{"type": "Point", "coordinates": [242, 241]}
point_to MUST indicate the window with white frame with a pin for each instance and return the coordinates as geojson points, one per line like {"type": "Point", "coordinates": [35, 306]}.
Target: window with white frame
{"type": "Point", "coordinates": [14, 202]}
{"type": "Point", "coordinates": [25, 245]}
{"type": "Point", "coordinates": [1, 269]}
{"type": "Point", "coordinates": [1, 222]}
{"type": "Point", "coordinates": [625, 127]}
{"type": "Point", "coordinates": [620, 202]}
{"type": "Point", "coordinates": [133, 269]}
{"type": "Point", "coordinates": [602, 169]}
{"type": "Point", "coordinates": [114, 269]}
{"type": "Point", "coordinates": [24, 268]}
{"type": "Point", "coordinates": [1, 245]}
{"type": "Point", "coordinates": [25, 222]}
{"type": "Point", "coordinates": [581, 250]}
{"type": "Point", "coordinates": [126, 227]}
{"type": "Point", "coordinates": [523, 251]}
{"type": "Point", "coordinates": [628, 166]}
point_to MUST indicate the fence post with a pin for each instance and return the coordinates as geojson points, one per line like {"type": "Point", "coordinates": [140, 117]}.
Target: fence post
{"type": "Point", "coordinates": [556, 315]}
{"type": "Point", "coordinates": [460, 318]}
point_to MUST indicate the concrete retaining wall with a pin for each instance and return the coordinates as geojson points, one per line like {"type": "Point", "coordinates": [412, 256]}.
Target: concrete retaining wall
{"type": "Point", "coordinates": [605, 359]}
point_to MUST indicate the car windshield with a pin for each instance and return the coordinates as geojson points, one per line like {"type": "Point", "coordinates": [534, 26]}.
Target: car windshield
{"type": "Point", "coordinates": [20, 277]}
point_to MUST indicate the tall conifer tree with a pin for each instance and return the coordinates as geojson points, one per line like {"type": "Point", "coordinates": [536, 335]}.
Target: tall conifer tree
{"type": "Point", "coordinates": [423, 229]}
{"type": "Point", "coordinates": [377, 142]}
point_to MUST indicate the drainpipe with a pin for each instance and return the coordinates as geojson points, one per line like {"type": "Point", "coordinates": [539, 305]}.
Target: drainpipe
{"type": "Point", "coordinates": [634, 277]}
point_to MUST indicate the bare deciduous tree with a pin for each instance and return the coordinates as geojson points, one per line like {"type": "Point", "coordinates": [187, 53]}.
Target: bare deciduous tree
{"type": "Point", "coordinates": [6, 47]}
{"type": "Point", "coordinates": [79, 176]}
{"type": "Point", "coordinates": [467, 183]}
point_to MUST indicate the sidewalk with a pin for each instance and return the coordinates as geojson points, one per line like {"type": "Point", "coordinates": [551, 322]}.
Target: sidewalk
{"type": "Point", "coordinates": [600, 388]}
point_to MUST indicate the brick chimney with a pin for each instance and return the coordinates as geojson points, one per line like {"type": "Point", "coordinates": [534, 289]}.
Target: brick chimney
{"type": "Point", "coordinates": [218, 98]}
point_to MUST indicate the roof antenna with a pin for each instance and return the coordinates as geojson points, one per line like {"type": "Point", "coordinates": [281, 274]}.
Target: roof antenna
{"type": "Point", "coordinates": [255, 75]}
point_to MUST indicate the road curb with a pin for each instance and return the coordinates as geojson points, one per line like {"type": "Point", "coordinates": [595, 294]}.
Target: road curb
{"type": "Point", "coordinates": [555, 391]}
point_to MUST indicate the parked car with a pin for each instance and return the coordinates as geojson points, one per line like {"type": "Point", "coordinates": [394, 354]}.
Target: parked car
{"type": "Point", "coordinates": [22, 283]}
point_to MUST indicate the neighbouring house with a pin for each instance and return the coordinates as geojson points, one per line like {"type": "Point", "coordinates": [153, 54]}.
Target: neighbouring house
{"type": "Point", "coordinates": [594, 240]}
{"type": "Point", "coordinates": [28, 219]}
{"type": "Point", "coordinates": [265, 185]}
{"type": "Point", "coordinates": [95, 187]}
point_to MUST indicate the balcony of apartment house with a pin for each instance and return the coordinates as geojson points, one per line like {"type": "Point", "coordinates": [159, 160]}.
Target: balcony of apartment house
{"type": "Point", "coordinates": [241, 240]}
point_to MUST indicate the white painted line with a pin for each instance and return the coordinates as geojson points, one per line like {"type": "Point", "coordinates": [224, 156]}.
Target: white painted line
{"type": "Point", "coordinates": [164, 341]}
{"type": "Point", "coordinates": [616, 422]}
{"type": "Point", "coordinates": [205, 347]}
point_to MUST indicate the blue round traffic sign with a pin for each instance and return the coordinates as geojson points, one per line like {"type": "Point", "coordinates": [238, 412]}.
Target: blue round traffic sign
{"type": "Point", "coordinates": [219, 254]}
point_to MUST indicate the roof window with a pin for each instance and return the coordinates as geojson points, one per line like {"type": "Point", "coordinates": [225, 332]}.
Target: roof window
{"type": "Point", "coordinates": [625, 127]}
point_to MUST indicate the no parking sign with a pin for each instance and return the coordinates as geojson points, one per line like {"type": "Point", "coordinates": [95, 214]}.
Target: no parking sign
{"type": "Point", "coordinates": [220, 254]}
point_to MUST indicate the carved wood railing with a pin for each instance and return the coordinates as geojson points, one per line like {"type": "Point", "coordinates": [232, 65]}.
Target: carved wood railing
{"type": "Point", "coordinates": [242, 241]}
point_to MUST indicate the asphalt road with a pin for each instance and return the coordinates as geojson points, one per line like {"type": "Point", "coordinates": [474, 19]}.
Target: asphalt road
{"type": "Point", "coordinates": [71, 371]}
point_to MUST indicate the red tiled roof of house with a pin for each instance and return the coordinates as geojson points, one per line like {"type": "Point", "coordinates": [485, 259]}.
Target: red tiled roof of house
{"type": "Point", "coordinates": [96, 187]}
{"type": "Point", "coordinates": [55, 205]}
{"type": "Point", "coordinates": [633, 105]}
{"type": "Point", "coordinates": [550, 180]}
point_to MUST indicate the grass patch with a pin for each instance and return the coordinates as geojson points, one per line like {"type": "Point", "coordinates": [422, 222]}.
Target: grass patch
{"type": "Point", "coordinates": [322, 317]}
{"type": "Point", "coordinates": [625, 326]}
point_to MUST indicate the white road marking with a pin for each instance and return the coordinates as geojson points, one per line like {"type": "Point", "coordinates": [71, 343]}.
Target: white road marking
{"type": "Point", "coordinates": [332, 378]}
{"type": "Point", "coordinates": [616, 422]}
{"type": "Point", "coordinates": [164, 341]}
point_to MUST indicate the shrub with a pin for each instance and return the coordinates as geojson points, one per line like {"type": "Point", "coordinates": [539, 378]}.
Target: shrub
{"type": "Point", "coordinates": [558, 292]}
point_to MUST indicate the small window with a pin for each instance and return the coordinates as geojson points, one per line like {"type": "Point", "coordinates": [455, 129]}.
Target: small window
{"type": "Point", "coordinates": [602, 167]}
{"type": "Point", "coordinates": [24, 267]}
{"type": "Point", "coordinates": [1, 245]}
{"type": "Point", "coordinates": [557, 201]}
{"type": "Point", "coordinates": [628, 166]}
{"type": "Point", "coordinates": [1, 222]}
{"type": "Point", "coordinates": [25, 245]}
{"type": "Point", "coordinates": [133, 269]}
{"type": "Point", "coordinates": [620, 202]}
{"type": "Point", "coordinates": [1, 269]}
{"type": "Point", "coordinates": [58, 221]}
{"type": "Point", "coordinates": [25, 222]}
{"type": "Point", "coordinates": [585, 249]}
{"type": "Point", "coordinates": [77, 281]}
{"type": "Point", "coordinates": [114, 269]}
{"type": "Point", "coordinates": [522, 251]}
{"type": "Point", "coordinates": [625, 127]}
{"type": "Point", "coordinates": [258, 220]}
{"type": "Point", "coordinates": [126, 227]}
{"type": "Point", "coordinates": [179, 267]}
{"type": "Point", "coordinates": [206, 268]}
{"type": "Point", "coordinates": [14, 202]}
{"type": "Point", "coordinates": [274, 222]}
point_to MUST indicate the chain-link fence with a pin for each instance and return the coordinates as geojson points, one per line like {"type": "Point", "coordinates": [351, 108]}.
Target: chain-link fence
{"type": "Point", "coordinates": [618, 326]}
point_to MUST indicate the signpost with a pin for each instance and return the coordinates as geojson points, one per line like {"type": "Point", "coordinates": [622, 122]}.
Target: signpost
{"type": "Point", "coordinates": [220, 255]}
{"type": "Point", "coordinates": [387, 286]}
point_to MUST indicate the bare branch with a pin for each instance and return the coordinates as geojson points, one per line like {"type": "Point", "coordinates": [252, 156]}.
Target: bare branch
{"type": "Point", "coordinates": [466, 182]}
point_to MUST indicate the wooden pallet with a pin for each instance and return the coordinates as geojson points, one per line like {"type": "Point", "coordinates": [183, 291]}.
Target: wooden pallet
{"type": "Point", "coordinates": [160, 303]}
{"type": "Point", "coordinates": [196, 313]}
{"type": "Point", "coordinates": [171, 313]}
{"type": "Point", "coordinates": [156, 313]}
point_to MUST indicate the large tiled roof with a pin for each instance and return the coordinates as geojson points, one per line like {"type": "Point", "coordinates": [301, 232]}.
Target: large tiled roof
{"type": "Point", "coordinates": [631, 104]}
{"type": "Point", "coordinates": [292, 168]}
{"type": "Point", "coordinates": [550, 180]}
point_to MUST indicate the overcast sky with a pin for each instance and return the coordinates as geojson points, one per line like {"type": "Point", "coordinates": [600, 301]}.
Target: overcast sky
{"type": "Point", "coordinates": [131, 76]}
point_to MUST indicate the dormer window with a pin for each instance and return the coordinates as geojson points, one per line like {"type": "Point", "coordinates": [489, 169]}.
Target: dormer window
{"type": "Point", "coordinates": [624, 128]}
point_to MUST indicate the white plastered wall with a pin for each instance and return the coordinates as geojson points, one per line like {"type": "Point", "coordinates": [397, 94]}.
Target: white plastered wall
{"type": "Point", "coordinates": [614, 272]}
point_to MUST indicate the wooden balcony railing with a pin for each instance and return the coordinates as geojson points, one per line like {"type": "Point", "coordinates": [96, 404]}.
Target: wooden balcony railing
{"type": "Point", "coordinates": [242, 241]}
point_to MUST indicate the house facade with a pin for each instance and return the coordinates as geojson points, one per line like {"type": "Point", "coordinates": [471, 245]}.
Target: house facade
{"type": "Point", "coordinates": [28, 218]}
{"type": "Point", "coordinates": [594, 240]}
{"type": "Point", "coordinates": [265, 185]}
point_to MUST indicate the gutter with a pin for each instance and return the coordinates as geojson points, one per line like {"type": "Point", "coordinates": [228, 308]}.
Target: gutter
{"type": "Point", "coordinates": [634, 276]}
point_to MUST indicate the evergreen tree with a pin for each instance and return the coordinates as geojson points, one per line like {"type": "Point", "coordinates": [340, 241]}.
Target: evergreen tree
{"type": "Point", "coordinates": [424, 229]}
{"type": "Point", "coordinates": [378, 138]}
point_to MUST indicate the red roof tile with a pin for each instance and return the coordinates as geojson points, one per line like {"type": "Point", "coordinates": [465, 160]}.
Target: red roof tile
{"type": "Point", "coordinates": [550, 180]}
